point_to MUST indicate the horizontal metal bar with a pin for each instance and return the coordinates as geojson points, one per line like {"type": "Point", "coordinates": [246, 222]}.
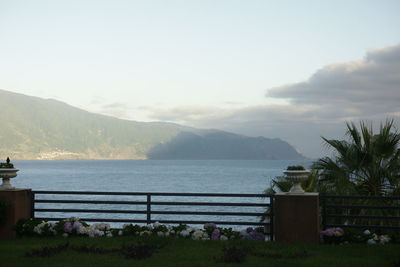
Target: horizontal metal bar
{"type": "Point", "coordinates": [234, 204]}
{"type": "Point", "coordinates": [90, 201]}
{"type": "Point", "coordinates": [216, 222]}
{"type": "Point", "coordinates": [363, 226]}
{"type": "Point", "coordinates": [155, 212]}
{"type": "Point", "coordinates": [160, 221]}
{"type": "Point", "coordinates": [363, 217]}
{"type": "Point", "coordinates": [210, 213]}
{"type": "Point", "coordinates": [92, 211]}
{"type": "Point", "coordinates": [151, 193]}
{"type": "Point", "coordinates": [359, 197]}
{"type": "Point", "coordinates": [169, 203]}
{"type": "Point", "coordinates": [362, 207]}
{"type": "Point", "coordinates": [94, 220]}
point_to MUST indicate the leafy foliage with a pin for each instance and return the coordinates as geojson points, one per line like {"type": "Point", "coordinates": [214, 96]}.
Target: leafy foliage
{"type": "Point", "coordinates": [6, 165]}
{"type": "Point", "coordinates": [366, 164]}
{"type": "Point", "coordinates": [296, 168]}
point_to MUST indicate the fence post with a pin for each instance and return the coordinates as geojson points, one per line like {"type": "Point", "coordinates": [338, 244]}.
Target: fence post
{"type": "Point", "coordinates": [297, 218]}
{"type": "Point", "coordinates": [32, 205]}
{"type": "Point", "coordinates": [323, 217]}
{"type": "Point", "coordinates": [20, 208]}
{"type": "Point", "coordinates": [271, 218]}
{"type": "Point", "coordinates": [148, 209]}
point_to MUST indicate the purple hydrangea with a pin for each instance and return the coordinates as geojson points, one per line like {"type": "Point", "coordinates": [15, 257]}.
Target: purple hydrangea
{"type": "Point", "coordinates": [77, 225]}
{"type": "Point", "coordinates": [249, 230]}
{"type": "Point", "coordinates": [210, 225]}
{"type": "Point", "coordinates": [215, 235]}
{"type": "Point", "coordinates": [68, 227]}
{"type": "Point", "coordinates": [334, 231]}
{"type": "Point", "coordinates": [254, 235]}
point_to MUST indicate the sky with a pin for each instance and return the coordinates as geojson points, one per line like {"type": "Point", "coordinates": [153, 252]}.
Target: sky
{"type": "Point", "coordinates": [296, 70]}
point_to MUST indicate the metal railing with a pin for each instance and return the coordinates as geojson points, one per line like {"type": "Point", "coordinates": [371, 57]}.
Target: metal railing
{"type": "Point", "coordinates": [66, 202]}
{"type": "Point", "coordinates": [363, 212]}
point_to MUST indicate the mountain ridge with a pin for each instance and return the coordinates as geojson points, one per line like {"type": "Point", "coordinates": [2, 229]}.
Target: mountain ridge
{"type": "Point", "coordinates": [37, 128]}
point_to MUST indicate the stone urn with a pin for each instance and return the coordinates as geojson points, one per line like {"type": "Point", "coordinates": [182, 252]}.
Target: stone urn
{"type": "Point", "coordinates": [6, 174]}
{"type": "Point", "coordinates": [297, 176]}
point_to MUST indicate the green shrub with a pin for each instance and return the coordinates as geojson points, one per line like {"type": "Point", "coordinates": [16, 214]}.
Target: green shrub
{"type": "Point", "coordinates": [6, 165]}
{"type": "Point", "coordinates": [296, 168]}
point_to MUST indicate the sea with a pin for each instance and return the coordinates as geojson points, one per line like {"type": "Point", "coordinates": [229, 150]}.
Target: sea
{"type": "Point", "coordinates": [175, 176]}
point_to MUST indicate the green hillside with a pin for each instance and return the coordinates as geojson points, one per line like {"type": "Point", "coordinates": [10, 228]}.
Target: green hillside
{"type": "Point", "coordinates": [36, 128]}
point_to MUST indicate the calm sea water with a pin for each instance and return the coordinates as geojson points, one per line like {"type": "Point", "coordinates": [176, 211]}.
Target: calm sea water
{"type": "Point", "coordinates": [222, 176]}
{"type": "Point", "coordinates": [197, 176]}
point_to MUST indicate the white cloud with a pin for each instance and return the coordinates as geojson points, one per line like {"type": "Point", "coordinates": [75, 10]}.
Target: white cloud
{"type": "Point", "coordinates": [367, 89]}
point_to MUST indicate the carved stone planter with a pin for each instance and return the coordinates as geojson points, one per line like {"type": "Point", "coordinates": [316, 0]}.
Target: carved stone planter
{"type": "Point", "coordinates": [6, 174]}
{"type": "Point", "coordinates": [297, 176]}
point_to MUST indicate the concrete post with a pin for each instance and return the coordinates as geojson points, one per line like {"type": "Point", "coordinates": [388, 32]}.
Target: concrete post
{"type": "Point", "coordinates": [20, 208]}
{"type": "Point", "coordinates": [297, 218]}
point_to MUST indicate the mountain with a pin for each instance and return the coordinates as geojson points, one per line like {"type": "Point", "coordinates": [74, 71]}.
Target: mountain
{"type": "Point", "coordinates": [36, 128]}
{"type": "Point", "coordinates": [223, 145]}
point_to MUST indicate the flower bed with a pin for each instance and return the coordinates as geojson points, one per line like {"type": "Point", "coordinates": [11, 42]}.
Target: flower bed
{"type": "Point", "coordinates": [76, 227]}
{"type": "Point", "coordinates": [337, 235]}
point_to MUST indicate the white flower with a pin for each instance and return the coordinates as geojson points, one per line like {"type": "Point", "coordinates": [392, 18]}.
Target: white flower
{"type": "Point", "coordinates": [159, 233]}
{"type": "Point", "coordinates": [156, 224]}
{"type": "Point", "coordinates": [384, 239]}
{"type": "Point", "coordinates": [65, 235]}
{"type": "Point", "coordinates": [371, 241]}
{"type": "Point", "coordinates": [224, 238]}
{"type": "Point", "coordinates": [37, 229]}
{"type": "Point", "coordinates": [375, 237]}
{"type": "Point", "coordinates": [367, 232]}
{"type": "Point", "coordinates": [167, 234]}
{"type": "Point", "coordinates": [198, 234]}
{"type": "Point", "coordinates": [120, 232]}
{"type": "Point", "coordinates": [109, 234]}
{"type": "Point", "coordinates": [185, 233]}
{"type": "Point", "coordinates": [145, 233]}
{"type": "Point", "coordinates": [82, 230]}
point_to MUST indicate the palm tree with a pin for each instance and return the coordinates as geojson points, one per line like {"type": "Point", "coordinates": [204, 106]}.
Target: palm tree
{"type": "Point", "coordinates": [366, 164]}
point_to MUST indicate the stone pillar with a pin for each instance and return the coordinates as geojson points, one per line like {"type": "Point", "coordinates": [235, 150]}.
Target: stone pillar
{"type": "Point", "coordinates": [20, 208]}
{"type": "Point", "coordinates": [297, 218]}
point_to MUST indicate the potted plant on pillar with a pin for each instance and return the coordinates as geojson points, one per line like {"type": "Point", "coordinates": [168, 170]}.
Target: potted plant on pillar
{"type": "Point", "coordinates": [7, 171]}
{"type": "Point", "coordinates": [296, 174]}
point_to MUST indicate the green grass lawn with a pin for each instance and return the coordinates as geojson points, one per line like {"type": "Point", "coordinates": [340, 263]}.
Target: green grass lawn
{"type": "Point", "coordinates": [183, 252]}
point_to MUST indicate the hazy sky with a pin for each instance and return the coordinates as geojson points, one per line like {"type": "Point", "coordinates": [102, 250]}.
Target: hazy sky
{"type": "Point", "coordinates": [290, 69]}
